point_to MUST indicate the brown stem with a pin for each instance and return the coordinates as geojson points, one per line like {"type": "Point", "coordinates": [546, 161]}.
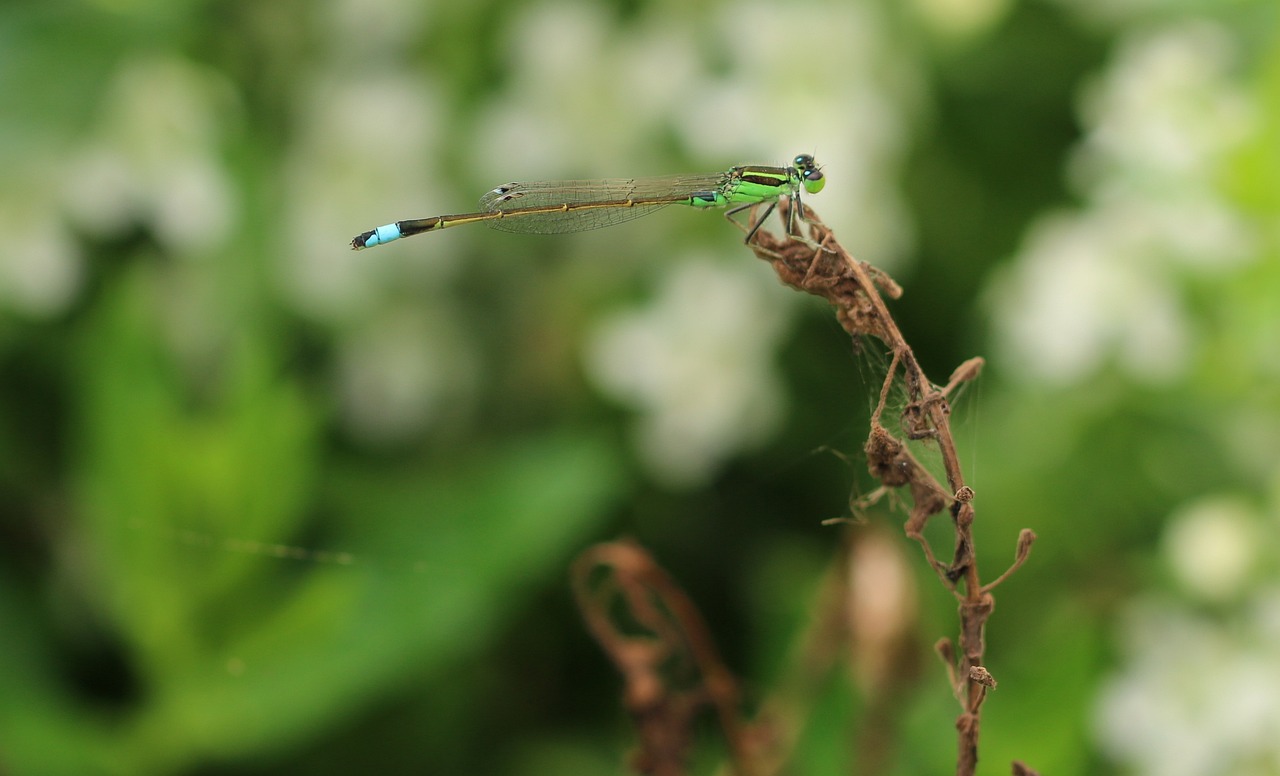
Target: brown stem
{"type": "Point", "coordinates": [662, 704]}
{"type": "Point", "coordinates": [673, 633]}
{"type": "Point", "coordinates": [855, 290]}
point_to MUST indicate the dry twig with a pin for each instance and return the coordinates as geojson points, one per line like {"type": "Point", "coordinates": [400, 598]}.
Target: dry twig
{"type": "Point", "coordinates": [671, 666]}
{"type": "Point", "coordinates": [855, 290]}
{"type": "Point", "coordinates": [667, 657]}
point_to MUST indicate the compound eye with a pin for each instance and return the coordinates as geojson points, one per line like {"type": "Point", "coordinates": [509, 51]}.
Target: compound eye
{"type": "Point", "coordinates": [803, 161]}
{"type": "Point", "coordinates": [814, 180]}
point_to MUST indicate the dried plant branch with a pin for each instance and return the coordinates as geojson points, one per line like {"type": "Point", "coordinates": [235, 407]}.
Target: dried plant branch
{"type": "Point", "coordinates": [819, 265]}
{"type": "Point", "coordinates": [658, 640]}
{"type": "Point", "coordinates": [667, 657]}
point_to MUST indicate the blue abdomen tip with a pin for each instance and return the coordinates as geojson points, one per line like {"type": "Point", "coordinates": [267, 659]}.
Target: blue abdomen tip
{"type": "Point", "coordinates": [383, 234]}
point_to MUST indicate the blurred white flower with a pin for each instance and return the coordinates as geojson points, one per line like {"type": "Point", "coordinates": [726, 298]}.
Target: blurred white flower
{"type": "Point", "coordinates": [1074, 300]}
{"type": "Point", "coordinates": [563, 91]}
{"type": "Point", "coordinates": [404, 372]}
{"type": "Point", "coordinates": [783, 101]}
{"type": "Point", "coordinates": [1197, 692]}
{"type": "Point", "coordinates": [1102, 284]}
{"type": "Point", "coordinates": [1195, 696]}
{"type": "Point", "coordinates": [41, 269]}
{"type": "Point", "coordinates": [1212, 546]}
{"type": "Point", "coordinates": [360, 161]}
{"type": "Point", "coordinates": [155, 157]}
{"type": "Point", "coordinates": [961, 18]}
{"type": "Point", "coordinates": [360, 30]}
{"type": "Point", "coordinates": [1166, 110]}
{"type": "Point", "coordinates": [697, 364]}
{"type": "Point", "coordinates": [574, 110]}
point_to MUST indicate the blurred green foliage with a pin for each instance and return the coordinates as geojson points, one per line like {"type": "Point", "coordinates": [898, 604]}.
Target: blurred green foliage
{"type": "Point", "coordinates": [268, 505]}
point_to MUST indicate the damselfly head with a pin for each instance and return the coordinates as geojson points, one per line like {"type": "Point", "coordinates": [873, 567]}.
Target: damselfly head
{"type": "Point", "coordinates": [810, 175]}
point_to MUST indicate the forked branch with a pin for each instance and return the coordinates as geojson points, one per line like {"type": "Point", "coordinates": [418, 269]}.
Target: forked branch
{"type": "Point", "coordinates": [817, 264]}
{"type": "Point", "coordinates": [666, 655]}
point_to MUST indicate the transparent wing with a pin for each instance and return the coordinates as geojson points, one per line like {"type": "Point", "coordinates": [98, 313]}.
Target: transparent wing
{"type": "Point", "coordinates": [656, 193]}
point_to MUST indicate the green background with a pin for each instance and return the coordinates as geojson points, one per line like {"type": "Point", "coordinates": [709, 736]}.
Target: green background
{"type": "Point", "coordinates": [268, 505]}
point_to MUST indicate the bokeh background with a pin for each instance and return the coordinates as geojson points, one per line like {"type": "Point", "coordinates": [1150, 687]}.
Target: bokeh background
{"type": "Point", "coordinates": [268, 505]}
